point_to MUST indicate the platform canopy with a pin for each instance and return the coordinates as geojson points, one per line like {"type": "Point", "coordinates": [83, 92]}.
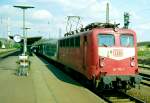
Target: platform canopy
{"type": "Point", "coordinates": [30, 40]}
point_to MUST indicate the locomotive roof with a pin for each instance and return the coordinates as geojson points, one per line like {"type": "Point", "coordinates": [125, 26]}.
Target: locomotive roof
{"type": "Point", "coordinates": [106, 30]}
{"type": "Point", "coordinates": [96, 25]}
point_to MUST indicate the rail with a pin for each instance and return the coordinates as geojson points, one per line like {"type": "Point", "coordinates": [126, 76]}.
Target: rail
{"type": "Point", "coordinates": [7, 53]}
{"type": "Point", "coordinates": [144, 66]}
{"type": "Point", "coordinates": [119, 97]}
{"type": "Point", "coordinates": [146, 79]}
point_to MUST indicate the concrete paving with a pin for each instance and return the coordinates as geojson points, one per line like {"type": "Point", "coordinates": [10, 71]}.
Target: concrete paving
{"type": "Point", "coordinates": [45, 84]}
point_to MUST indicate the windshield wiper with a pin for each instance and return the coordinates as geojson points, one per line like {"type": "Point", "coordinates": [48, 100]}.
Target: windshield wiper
{"type": "Point", "coordinates": [105, 45]}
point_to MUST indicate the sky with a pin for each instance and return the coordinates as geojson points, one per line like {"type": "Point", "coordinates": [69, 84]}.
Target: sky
{"type": "Point", "coordinates": [49, 17]}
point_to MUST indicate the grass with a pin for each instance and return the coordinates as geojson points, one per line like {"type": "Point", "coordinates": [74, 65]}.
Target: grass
{"type": "Point", "coordinates": [144, 57]}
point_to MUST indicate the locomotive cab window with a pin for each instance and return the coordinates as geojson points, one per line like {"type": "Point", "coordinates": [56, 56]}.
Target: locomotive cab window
{"type": "Point", "coordinates": [127, 40]}
{"type": "Point", "coordinates": [106, 40]}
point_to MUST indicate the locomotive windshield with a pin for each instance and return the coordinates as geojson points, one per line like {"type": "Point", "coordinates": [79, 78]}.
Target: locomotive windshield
{"type": "Point", "coordinates": [106, 40]}
{"type": "Point", "coordinates": [126, 40]}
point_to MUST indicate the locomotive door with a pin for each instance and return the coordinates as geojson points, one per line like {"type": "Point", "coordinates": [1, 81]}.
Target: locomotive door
{"type": "Point", "coordinates": [84, 52]}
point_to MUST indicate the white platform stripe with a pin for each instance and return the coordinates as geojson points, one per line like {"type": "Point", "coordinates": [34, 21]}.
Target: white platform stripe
{"type": "Point", "coordinates": [117, 53]}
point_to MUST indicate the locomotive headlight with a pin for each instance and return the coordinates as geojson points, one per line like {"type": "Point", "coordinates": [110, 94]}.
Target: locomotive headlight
{"type": "Point", "coordinates": [132, 63]}
{"type": "Point", "coordinates": [101, 62]}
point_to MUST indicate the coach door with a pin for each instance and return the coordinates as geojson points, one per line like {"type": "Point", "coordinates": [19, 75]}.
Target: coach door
{"type": "Point", "coordinates": [84, 52]}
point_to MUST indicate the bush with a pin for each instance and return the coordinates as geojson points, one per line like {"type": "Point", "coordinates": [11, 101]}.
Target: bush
{"type": "Point", "coordinates": [0, 44]}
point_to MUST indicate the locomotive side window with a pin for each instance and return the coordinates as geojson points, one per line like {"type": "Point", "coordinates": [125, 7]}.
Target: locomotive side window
{"type": "Point", "coordinates": [67, 42]}
{"type": "Point", "coordinates": [126, 40]}
{"type": "Point", "coordinates": [71, 42]}
{"type": "Point", "coordinates": [106, 40]}
{"type": "Point", "coordinates": [77, 41]}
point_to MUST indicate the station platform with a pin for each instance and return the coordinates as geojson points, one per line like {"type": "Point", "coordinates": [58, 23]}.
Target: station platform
{"type": "Point", "coordinates": [44, 84]}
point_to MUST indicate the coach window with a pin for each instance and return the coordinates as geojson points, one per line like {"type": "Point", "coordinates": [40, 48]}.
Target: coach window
{"type": "Point", "coordinates": [60, 43]}
{"type": "Point", "coordinates": [126, 40]}
{"type": "Point", "coordinates": [106, 40]}
{"type": "Point", "coordinates": [63, 43]}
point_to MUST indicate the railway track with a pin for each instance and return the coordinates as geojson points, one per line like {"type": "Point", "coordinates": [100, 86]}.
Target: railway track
{"type": "Point", "coordinates": [145, 76]}
{"type": "Point", "coordinates": [146, 79]}
{"type": "Point", "coordinates": [119, 97]}
{"type": "Point", "coordinates": [4, 55]}
{"type": "Point", "coordinates": [144, 66]}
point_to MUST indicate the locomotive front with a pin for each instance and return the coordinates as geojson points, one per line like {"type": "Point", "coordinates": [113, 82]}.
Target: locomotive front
{"type": "Point", "coordinates": [117, 53]}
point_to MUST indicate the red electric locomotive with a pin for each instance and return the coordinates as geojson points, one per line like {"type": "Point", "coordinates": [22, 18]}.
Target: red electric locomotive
{"type": "Point", "coordinates": [104, 54]}
{"type": "Point", "coordinates": [101, 52]}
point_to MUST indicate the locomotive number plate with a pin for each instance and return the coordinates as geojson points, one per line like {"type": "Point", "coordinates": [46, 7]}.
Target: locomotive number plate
{"type": "Point", "coordinates": [117, 52]}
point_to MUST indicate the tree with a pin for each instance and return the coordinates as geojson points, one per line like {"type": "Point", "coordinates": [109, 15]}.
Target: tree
{"type": "Point", "coordinates": [148, 46]}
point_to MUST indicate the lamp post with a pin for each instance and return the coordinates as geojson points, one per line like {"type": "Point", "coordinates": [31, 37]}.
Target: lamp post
{"type": "Point", "coordinates": [49, 30]}
{"type": "Point", "coordinates": [24, 36]}
{"type": "Point", "coordinates": [26, 28]}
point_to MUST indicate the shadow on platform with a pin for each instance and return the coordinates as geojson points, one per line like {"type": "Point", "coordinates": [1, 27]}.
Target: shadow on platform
{"type": "Point", "coordinates": [59, 73]}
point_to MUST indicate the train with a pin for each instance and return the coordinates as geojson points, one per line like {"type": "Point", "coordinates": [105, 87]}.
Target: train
{"type": "Point", "coordinates": [104, 54]}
